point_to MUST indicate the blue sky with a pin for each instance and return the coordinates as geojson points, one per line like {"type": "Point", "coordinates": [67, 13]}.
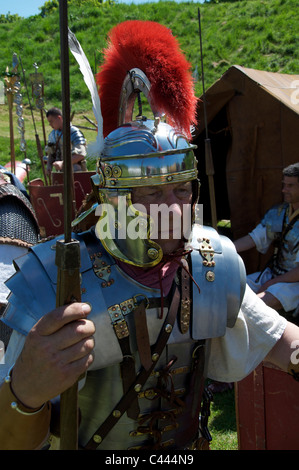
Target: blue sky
{"type": "Point", "coordinates": [27, 8]}
{"type": "Point", "coordinates": [21, 7]}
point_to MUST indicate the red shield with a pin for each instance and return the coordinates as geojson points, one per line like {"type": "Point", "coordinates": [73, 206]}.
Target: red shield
{"type": "Point", "coordinates": [48, 201]}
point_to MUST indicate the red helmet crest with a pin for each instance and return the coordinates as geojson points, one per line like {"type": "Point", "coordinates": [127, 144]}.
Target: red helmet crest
{"type": "Point", "coordinates": [153, 49]}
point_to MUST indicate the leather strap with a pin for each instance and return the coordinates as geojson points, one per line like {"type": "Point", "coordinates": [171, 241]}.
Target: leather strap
{"type": "Point", "coordinates": [136, 387]}
{"type": "Point", "coordinates": [127, 366]}
{"type": "Point", "coordinates": [142, 337]}
{"type": "Point", "coordinates": [279, 243]}
{"type": "Point", "coordinates": [128, 375]}
{"type": "Point", "coordinates": [188, 428]}
{"type": "Point", "coordinates": [184, 316]}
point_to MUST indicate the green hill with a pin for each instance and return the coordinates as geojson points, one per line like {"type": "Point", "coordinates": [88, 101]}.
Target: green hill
{"type": "Point", "coordinates": [256, 34]}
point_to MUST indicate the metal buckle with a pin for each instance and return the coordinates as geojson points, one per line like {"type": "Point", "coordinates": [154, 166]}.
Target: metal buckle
{"type": "Point", "coordinates": [143, 297]}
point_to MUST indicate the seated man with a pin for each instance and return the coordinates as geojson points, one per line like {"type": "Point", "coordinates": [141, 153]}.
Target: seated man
{"type": "Point", "coordinates": [54, 147]}
{"type": "Point", "coordinates": [278, 284]}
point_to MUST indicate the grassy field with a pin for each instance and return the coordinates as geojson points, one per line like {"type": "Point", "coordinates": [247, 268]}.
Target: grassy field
{"type": "Point", "coordinates": [222, 424]}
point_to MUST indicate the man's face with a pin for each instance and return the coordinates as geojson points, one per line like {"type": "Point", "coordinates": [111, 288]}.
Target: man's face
{"type": "Point", "coordinates": [290, 189]}
{"type": "Point", "coordinates": [55, 122]}
{"type": "Point", "coordinates": [178, 197]}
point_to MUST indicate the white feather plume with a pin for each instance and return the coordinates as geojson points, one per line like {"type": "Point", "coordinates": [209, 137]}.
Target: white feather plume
{"type": "Point", "coordinates": [94, 148]}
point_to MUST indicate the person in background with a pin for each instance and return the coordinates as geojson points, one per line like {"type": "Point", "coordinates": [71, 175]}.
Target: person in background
{"type": "Point", "coordinates": [54, 148]}
{"type": "Point", "coordinates": [278, 284]}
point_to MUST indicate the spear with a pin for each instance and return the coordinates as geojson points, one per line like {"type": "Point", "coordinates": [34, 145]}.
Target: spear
{"type": "Point", "coordinates": [37, 81]}
{"type": "Point", "coordinates": [38, 144]}
{"type": "Point", "coordinates": [208, 150]}
{"type": "Point", "coordinates": [67, 250]}
{"type": "Point", "coordinates": [12, 146]}
{"type": "Point", "coordinates": [10, 82]}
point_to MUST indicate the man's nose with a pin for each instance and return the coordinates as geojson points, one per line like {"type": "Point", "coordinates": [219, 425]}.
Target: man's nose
{"type": "Point", "coordinates": [171, 198]}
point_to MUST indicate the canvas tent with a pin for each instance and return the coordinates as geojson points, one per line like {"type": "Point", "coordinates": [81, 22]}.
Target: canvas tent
{"type": "Point", "coordinates": [253, 126]}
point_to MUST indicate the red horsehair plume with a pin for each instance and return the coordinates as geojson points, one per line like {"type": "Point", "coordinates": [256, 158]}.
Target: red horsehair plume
{"type": "Point", "coordinates": [152, 48]}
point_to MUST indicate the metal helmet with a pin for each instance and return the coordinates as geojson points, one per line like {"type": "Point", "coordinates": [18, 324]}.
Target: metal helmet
{"type": "Point", "coordinates": [137, 154]}
{"type": "Point", "coordinates": [141, 152]}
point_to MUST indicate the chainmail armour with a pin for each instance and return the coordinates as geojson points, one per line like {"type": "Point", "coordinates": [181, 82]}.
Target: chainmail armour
{"type": "Point", "coordinates": [18, 223]}
{"type": "Point", "coordinates": [18, 226]}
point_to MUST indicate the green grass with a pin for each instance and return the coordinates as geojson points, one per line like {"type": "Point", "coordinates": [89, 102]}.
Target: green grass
{"type": "Point", "coordinates": [222, 423]}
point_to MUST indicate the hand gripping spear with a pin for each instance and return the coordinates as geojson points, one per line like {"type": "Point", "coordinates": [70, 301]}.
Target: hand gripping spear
{"type": "Point", "coordinates": [67, 250]}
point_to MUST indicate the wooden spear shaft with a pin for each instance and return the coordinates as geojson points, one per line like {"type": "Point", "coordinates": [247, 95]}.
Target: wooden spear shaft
{"type": "Point", "coordinates": [11, 132]}
{"type": "Point", "coordinates": [208, 150]}
{"type": "Point", "coordinates": [67, 250]}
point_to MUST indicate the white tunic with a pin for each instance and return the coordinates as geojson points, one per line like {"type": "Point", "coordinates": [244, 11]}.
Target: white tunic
{"type": "Point", "coordinates": [286, 292]}
{"type": "Point", "coordinates": [7, 254]}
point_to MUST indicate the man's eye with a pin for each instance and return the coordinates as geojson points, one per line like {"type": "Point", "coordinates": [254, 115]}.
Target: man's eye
{"type": "Point", "coordinates": [183, 192]}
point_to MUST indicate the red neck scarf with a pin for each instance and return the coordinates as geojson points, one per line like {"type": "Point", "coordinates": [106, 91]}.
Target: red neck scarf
{"type": "Point", "coordinates": [158, 277]}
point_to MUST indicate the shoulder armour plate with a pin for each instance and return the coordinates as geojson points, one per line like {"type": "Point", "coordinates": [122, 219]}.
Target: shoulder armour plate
{"type": "Point", "coordinates": [33, 286]}
{"type": "Point", "coordinates": [216, 267]}
{"type": "Point", "coordinates": [220, 273]}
